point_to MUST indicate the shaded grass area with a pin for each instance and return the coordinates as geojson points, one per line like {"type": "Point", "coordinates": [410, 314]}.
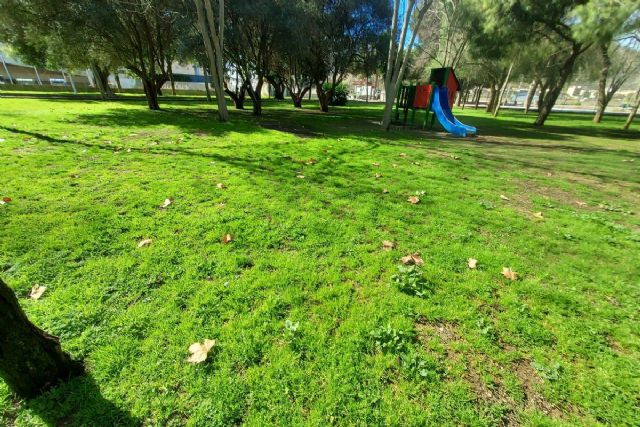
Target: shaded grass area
{"type": "Point", "coordinates": [311, 328]}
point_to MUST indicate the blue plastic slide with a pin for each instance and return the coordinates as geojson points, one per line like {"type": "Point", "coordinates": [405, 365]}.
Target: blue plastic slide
{"type": "Point", "coordinates": [440, 107]}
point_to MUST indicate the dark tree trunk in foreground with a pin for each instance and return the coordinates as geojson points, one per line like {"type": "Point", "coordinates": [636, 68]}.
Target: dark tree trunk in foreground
{"type": "Point", "coordinates": [554, 90]}
{"type": "Point", "coordinates": [278, 90]}
{"type": "Point", "coordinates": [323, 98]}
{"type": "Point", "coordinates": [30, 359]}
{"type": "Point", "coordinates": [602, 99]}
{"type": "Point", "coordinates": [151, 93]}
{"type": "Point", "coordinates": [298, 97]}
{"type": "Point", "coordinates": [238, 96]}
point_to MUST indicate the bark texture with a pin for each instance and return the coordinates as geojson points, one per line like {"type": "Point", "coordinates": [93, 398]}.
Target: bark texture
{"type": "Point", "coordinates": [31, 360]}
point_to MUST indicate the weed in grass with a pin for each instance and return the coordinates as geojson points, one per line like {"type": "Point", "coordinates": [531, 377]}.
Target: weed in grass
{"type": "Point", "coordinates": [410, 279]}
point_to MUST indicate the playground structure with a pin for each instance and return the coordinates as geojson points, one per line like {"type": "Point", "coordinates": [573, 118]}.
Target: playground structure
{"type": "Point", "coordinates": [436, 98]}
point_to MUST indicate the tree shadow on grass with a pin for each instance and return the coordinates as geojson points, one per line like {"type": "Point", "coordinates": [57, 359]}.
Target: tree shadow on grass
{"type": "Point", "coordinates": [79, 402]}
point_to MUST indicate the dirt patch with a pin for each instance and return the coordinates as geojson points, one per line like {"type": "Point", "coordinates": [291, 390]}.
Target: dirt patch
{"type": "Point", "coordinates": [297, 130]}
{"type": "Point", "coordinates": [486, 377]}
{"type": "Point", "coordinates": [530, 381]}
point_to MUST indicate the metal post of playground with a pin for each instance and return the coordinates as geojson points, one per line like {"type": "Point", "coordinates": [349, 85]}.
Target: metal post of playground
{"type": "Point", "coordinates": [37, 75]}
{"type": "Point", "coordinates": [6, 69]}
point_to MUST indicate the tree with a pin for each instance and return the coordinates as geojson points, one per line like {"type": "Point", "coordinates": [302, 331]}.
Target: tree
{"type": "Point", "coordinates": [400, 51]}
{"type": "Point", "coordinates": [253, 28]}
{"type": "Point", "coordinates": [601, 22]}
{"type": "Point", "coordinates": [30, 359]}
{"type": "Point", "coordinates": [338, 30]}
{"type": "Point", "coordinates": [213, 36]}
{"type": "Point", "coordinates": [46, 35]}
{"type": "Point", "coordinates": [618, 64]}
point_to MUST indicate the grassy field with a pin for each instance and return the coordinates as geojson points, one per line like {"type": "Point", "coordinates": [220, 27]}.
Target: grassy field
{"type": "Point", "coordinates": [314, 322]}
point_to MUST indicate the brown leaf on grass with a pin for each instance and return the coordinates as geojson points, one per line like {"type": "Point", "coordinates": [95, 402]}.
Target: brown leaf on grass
{"type": "Point", "coordinates": [387, 245]}
{"type": "Point", "coordinates": [414, 258]}
{"type": "Point", "coordinates": [414, 200]}
{"type": "Point", "coordinates": [472, 262]}
{"type": "Point", "coordinates": [538, 215]}
{"type": "Point", "coordinates": [166, 203]}
{"type": "Point", "coordinates": [5, 200]}
{"type": "Point", "coordinates": [145, 242]}
{"type": "Point", "coordinates": [509, 273]}
{"type": "Point", "coordinates": [227, 238]}
{"type": "Point", "coordinates": [503, 197]}
{"type": "Point", "coordinates": [221, 186]}
{"type": "Point", "coordinates": [581, 204]}
{"type": "Point", "coordinates": [403, 154]}
{"type": "Point", "coordinates": [199, 351]}
{"type": "Point", "coordinates": [37, 291]}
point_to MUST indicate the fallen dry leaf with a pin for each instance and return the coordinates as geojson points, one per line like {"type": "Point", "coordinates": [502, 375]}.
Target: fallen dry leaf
{"type": "Point", "coordinates": [538, 215]}
{"type": "Point", "coordinates": [387, 245]}
{"type": "Point", "coordinates": [166, 203]}
{"type": "Point", "coordinates": [509, 273]}
{"type": "Point", "coordinates": [413, 200]}
{"type": "Point", "coordinates": [581, 204]}
{"type": "Point", "coordinates": [472, 262]}
{"type": "Point", "coordinates": [503, 197]}
{"type": "Point", "coordinates": [414, 258]}
{"type": "Point", "coordinates": [37, 291]}
{"type": "Point", "coordinates": [145, 242]}
{"type": "Point", "coordinates": [220, 185]}
{"type": "Point", "coordinates": [227, 238]}
{"type": "Point", "coordinates": [199, 351]}
{"type": "Point", "coordinates": [6, 200]}
{"type": "Point", "coordinates": [403, 154]}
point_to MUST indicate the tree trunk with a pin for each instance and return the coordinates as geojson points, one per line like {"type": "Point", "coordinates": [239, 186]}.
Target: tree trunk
{"type": "Point", "coordinates": [323, 98]}
{"type": "Point", "coordinates": [633, 111]}
{"type": "Point", "coordinates": [552, 96]}
{"type": "Point", "coordinates": [532, 91]}
{"type": "Point", "coordinates": [256, 96]}
{"type": "Point", "coordinates": [118, 84]}
{"type": "Point", "coordinates": [496, 108]}
{"type": "Point", "coordinates": [31, 360]}
{"type": "Point", "coordinates": [278, 91]}
{"type": "Point", "coordinates": [95, 70]}
{"type": "Point", "coordinates": [492, 98]}
{"type": "Point", "coordinates": [151, 93]}
{"type": "Point", "coordinates": [602, 101]}
{"type": "Point", "coordinates": [173, 83]}
{"type": "Point", "coordinates": [478, 96]}
{"type": "Point", "coordinates": [206, 83]}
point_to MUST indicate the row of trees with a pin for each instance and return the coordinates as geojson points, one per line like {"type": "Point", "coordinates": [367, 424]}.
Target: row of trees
{"type": "Point", "coordinates": [291, 45]}
{"type": "Point", "coordinates": [547, 43]}
{"type": "Point", "coordinates": [296, 46]}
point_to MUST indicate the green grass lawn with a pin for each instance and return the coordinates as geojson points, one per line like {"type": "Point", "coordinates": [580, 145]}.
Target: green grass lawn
{"type": "Point", "coordinates": [313, 320]}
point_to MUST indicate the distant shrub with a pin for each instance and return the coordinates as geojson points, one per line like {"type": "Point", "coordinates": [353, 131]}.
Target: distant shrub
{"type": "Point", "coordinates": [340, 94]}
